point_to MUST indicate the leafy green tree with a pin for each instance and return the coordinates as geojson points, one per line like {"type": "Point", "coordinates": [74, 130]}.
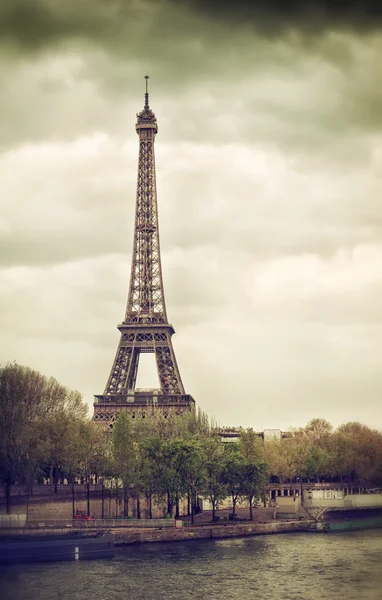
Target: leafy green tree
{"type": "Point", "coordinates": [28, 401]}
{"type": "Point", "coordinates": [124, 455]}
{"type": "Point", "coordinates": [234, 472]}
{"type": "Point", "coordinates": [169, 457]}
{"type": "Point", "coordinates": [62, 433]}
{"type": "Point", "coordinates": [191, 424]}
{"type": "Point", "coordinates": [255, 468]}
{"type": "Point", "coordinates": [318, 432]}
{"type": "Point", "coordinates": [357, 454]}
{"type": "Point", "coordinates": [175, 454]}
{"type": "Point", "coordinates": [255, 479]}
{"type": "Point", "coordinates": [146, 479]}
{"type": "Point", "coordinates": [62, 445]}
{"type": "Point", "coordinates": [251, 446]}
{"type": "Point", "coordinates": [155, 452]}
{"type": "Point", "coordinates": [193, 469]}
{"type": "Point", "coordinates": [91, 451]}
{"type": "Point", "coordinates": [316, 437]}
{"type": "Point", "coordinates": [20, 389]}
{"type": "Point", "coordinates": [215, 488]}
{"type": "Point", "coordinates": [280, 457]}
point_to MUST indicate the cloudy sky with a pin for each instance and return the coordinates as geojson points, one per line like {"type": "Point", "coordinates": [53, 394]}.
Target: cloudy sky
{"type": "Point", "coordinates": [269, 157]}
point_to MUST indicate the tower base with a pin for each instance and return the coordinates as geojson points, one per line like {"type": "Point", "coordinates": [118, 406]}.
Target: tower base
{"type": "Point", "coordinates": [139, 404]}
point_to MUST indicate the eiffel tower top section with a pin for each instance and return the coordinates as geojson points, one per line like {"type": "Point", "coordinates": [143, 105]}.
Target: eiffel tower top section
{"type": "Point", "coordinates": [146, 303]}
{"type": "Point", "coordinates": [146, 119]}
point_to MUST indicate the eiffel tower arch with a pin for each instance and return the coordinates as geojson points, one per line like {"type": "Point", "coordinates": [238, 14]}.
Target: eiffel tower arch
{"type": "Point", "coordinates": [145, 327]}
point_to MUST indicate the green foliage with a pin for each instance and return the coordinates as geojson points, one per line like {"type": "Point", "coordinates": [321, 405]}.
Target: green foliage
{"type": "Point", "coordinates": [255, 470]}
{"type": "Point", "coordinates": [356, 453]}
{"type": "Point", "coordinates": [123, 447]}
{"type": "Point", "coordinates": [36, 417]}
{"type": "Point", "coordinates": [194, 469]}
{"type": "Point", "coordinates": [214, 484]}
{"type": "Point", "coordinates": [280, 458]}
{"type": "Point", "coordinates": [352, 453]}
{"type": "Point", "coordinates": [234, 472]}
{"type": "Point", "coordinates": [44, 428]}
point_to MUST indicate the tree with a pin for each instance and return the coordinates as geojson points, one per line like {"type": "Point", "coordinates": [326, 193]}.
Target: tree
{"type": "Point", "coordinates": [255, 479]}
{"type": "Point", "coordinates": [215, 488]}
{"type": "Point", "coordinates": [255, 469]}
{"type": "Point", "coordinates": [63, 430]}
{"type": "Point", "coordinates": [127, 457]}
{"type": "Point", "coordinates": [164, 442]}
{"type": "Point", "coordinates": [155, 452]}
{"type": "Point", "coordinates": [62, 446]}
{"type": "Point", "coordinates": [317, 435]}
{"type": "Point", "coordinates": [124, 455]}
{"type": "Point", "coordinates": [357, 454]}
{"type": "Point", "coordinates": [251, 446]}
{"type": "Point", "coordinates": [191, 424]}
{"type": "Point", "coordinates": [92, 453]}
{"type": "Point", "coordinates": [318, 431]}
{"type": "Point", "coordinates": [234, 472]}
{"type": "Point", "coordinates": [146, 478]}
{"type": "Point", "coordinates": [27, 401]}
{"type": "Point", "coordinates": [193, 469]}
{"type": "Point", "coordinates": [169, 458]}
{"type": "Point", "coordinates": [280, 458]}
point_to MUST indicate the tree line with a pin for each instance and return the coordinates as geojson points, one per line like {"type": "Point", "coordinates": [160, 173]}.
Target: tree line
{"type": "Point", "coordinates": [45, 432]}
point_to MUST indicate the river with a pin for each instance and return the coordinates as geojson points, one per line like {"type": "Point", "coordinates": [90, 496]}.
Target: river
{"type": "Point", "coordinates": [295, 566]}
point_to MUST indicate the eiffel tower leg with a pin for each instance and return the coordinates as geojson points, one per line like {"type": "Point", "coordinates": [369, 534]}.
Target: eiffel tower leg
{"type": "Point", "coordinates": [124, 372]}
{"type": "Point", "coordinates": [132, 377]}
{"type": "Point", "coordinates": [168, 371]}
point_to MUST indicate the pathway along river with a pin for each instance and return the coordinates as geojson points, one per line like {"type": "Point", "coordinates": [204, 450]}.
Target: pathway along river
{"type": "Point", "coordinates": [275, 567]}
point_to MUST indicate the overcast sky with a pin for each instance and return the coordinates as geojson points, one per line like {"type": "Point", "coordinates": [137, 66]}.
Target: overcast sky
{"type": "Point", "coordinates": [269, 157]}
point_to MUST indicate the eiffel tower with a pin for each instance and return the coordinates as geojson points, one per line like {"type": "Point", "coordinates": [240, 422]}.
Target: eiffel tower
{"type": "Point", "coordinates": [145, 327]}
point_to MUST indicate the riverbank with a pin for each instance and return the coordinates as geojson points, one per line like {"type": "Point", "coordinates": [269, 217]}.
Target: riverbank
{"type": "Point", "coordinates": [216, 532]}
{"type": "Point", "coordinates": [210, 532]}
{"type": "Point", "coordinates": [129, 533]}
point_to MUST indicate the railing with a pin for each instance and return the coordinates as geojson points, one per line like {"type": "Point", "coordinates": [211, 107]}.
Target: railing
{"type": "Point", "coordinates": [19, 521]}
{"type": "Point", "coordinates": [351, 501]}
{"type": "Point", "coordinates": [48, 489]}
{"type": "Point", "coordinates": [307, 486]}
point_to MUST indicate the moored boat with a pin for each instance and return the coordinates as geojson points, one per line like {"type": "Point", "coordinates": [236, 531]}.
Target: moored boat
{"type": "Point", "coordinates": [55, 548]}
{"type": "Point", "coordinates": [350, 519]}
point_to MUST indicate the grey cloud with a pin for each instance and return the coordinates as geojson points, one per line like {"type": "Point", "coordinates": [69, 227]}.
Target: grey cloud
{"type": "Point", "coordinates": [333, 105]}
{"type": "Point", "coordinates": [220, 72]}
{"type": "Point", "coordinates": [48, 247]}
{"type": "Point", "coordinates": [271, 16]}
{"type": "Point", "coordinates": [37, 24]}
{"type": "Point", "coordinates": [309, 365]}
{"type": "Point", "coordinates": [217, 215]}
{"type": "Point", "coordinates": [118, 25]}
{"type": "Point", "coordinates": [358, 308]}
{"type": "Point", "coordinates": [308, 214]}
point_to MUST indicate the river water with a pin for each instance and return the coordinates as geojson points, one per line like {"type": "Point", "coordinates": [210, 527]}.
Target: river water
{"type": "Point", "coordinates": [274, 567]}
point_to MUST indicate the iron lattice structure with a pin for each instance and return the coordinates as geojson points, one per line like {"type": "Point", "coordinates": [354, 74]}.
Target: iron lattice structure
{"type": "Point", "coordinates": [145, 327]}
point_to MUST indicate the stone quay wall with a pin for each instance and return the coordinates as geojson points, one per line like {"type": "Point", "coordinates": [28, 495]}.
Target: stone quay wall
{"type": "Point", "coordinates": [215, 532]}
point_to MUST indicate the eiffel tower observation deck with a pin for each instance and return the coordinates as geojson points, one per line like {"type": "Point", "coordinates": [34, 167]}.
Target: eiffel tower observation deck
{"type": "Point", "coordinates": [145, 328]}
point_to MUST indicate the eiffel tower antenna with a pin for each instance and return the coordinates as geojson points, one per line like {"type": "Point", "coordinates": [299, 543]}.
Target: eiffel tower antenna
{"type": "Point", "coordinates": [147, 93]}
{"type": "Point", "coordinates": [145, 327]}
